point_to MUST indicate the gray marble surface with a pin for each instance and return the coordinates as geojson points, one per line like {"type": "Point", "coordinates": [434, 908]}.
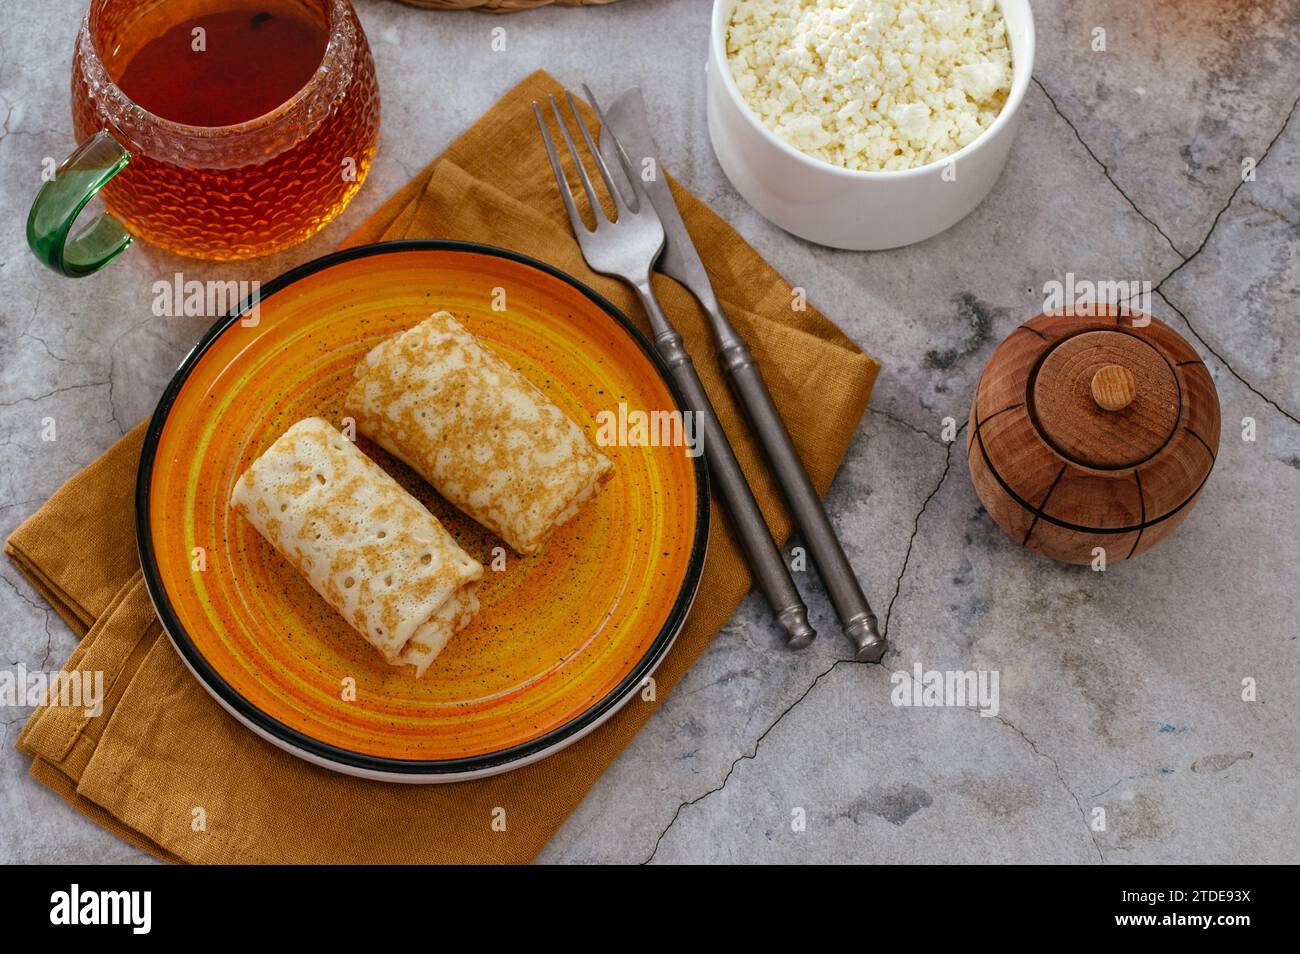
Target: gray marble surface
{"type": "Point", "coordinates": [1119, 691]}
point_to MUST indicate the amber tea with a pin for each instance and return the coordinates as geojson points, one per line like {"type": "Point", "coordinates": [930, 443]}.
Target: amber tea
{"type": "Point", "coordinates": [222, 69]}
{"type": "Point", "coordinates": [219, 129]}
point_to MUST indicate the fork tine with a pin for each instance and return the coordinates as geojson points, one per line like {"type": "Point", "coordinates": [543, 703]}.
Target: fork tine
{"type": "Point", "coordinates": [561, 182]}
{"type": "Point", "coordinates": [596, 208]}
{"type": "Point", "coordinates": [620, 204]}
{"type": "Point", "coordinates": [638, 192]}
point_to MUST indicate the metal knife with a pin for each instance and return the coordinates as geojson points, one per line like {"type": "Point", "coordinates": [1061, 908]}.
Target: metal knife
{"type": "Point", "coordinates": [681, 261]}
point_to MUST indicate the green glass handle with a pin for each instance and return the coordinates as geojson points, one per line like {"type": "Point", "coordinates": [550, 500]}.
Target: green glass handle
{"type": "Point", "coordinates": [61, 200]}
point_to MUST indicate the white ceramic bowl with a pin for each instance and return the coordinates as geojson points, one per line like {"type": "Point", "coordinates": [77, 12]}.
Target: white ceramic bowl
{"type": "Point", "coordinates": [847, 208]}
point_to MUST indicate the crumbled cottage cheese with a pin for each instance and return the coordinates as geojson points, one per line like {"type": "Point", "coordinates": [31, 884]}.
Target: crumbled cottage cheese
{"type": "Point", "coordinates": [876, 85]}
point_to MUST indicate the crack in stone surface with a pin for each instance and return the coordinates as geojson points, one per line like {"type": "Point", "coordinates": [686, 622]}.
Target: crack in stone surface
{"type": "Point", "coordinates": [49, 394]}
{"type": "Point", "coordinates": [1223, 361]}
{"type": "Point", "coordinates": [112, 405]}
{"type": "Point", "coordinates": [1060, 776]}
{"type": "Point", "coordinates": [908, 425]}
{"type": "Point", "coordinates": [46, 346]}
{"type": "Point", "coordinates": [1159, 288]}
{"type": "Point", "coordinates": [1115, 784]}
{"type": "Point", "coordinates": [39, 607]}
{"type": "Point", "coordinates": [44, 610]}
{"type": "Point", "coordinates": [1214, 223]}
{"type": "Point", "coordinates": [753, 754]}
{"type": "Point", "coordinates": [916, 529]}
{"type": "Point", "coordinates": [1186, 258]}
{"type": "Point", "coordinates": [1105, 170]}
{"type": "Point", "coordinates": [747, 756]}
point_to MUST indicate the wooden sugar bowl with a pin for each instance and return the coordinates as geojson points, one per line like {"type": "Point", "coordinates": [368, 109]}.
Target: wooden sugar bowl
{"type": "Point", "coordinates": [1092, 428]}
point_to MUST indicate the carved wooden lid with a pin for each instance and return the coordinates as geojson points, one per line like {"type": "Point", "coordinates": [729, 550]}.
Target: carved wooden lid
{"type": "Point", "coordinates": [1096, 422]}
{"type": "Point", "coordinates": [1107, 399]}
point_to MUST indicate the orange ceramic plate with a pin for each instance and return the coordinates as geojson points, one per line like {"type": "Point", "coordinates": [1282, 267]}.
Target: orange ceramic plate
{"type": "Point", "coordinates": [563, 638]}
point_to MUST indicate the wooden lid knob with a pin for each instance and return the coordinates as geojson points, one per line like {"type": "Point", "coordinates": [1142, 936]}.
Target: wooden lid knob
{"type": "Point", "coordinates": [1084, 381]}
{"type": "Point", "coordinates": [1114, 387]}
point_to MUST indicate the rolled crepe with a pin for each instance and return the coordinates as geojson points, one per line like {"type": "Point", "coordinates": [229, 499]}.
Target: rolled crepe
{"type": "Point", "coordinates": [480, 432]}
{"type": "Point", "coordinates": [373, 551]}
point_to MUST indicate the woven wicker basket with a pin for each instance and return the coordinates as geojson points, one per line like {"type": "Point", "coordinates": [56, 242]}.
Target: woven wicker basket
{"type": "Point", "coordinates": [499, 6]}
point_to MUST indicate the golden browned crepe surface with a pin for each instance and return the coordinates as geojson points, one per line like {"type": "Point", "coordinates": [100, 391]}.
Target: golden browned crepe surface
{"type": "Point", "coordinates": [482, 434]}
{"type": "Point", "coordinates": [373, 551]}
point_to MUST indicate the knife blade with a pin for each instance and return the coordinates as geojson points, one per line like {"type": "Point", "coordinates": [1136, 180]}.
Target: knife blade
{"type": "Point", "coordinates": [679, 260]}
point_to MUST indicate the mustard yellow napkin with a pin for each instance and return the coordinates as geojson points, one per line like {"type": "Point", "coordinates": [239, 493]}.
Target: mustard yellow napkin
{"type": "Point", "coordinates": [168, 770]}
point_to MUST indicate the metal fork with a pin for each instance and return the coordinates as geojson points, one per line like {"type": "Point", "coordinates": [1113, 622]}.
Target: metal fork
{"type": "Point", "coordinates": [627, 247]}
